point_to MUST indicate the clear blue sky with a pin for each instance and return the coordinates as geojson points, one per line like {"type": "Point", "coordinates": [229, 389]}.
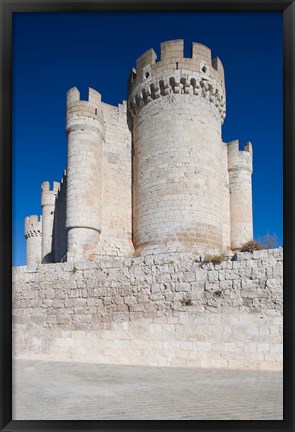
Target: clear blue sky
{"type": "Point", "coordinates": [53, 52]}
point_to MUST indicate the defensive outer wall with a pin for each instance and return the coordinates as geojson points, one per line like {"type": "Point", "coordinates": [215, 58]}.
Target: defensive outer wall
{"type": "Point", "coordinates": [169, 310]}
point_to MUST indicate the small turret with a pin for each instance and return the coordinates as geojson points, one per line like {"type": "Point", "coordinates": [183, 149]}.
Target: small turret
{"type": "Point", "coordinates": [85, 131]}
{"type": "Point", "coordinates": [240, 167]}
{"type": "Point", "coordinates": [33, 235]}
{"type": "Point", "coordinates": [48, 198]}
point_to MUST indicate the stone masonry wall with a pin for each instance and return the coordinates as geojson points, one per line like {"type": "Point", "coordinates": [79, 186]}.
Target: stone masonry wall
{"type": "Point", "coordinates": [169, 310]}
{"type": "Point", "coordinates": [115, 238]}
{"type": "Point", "coordinates": [60, 235]}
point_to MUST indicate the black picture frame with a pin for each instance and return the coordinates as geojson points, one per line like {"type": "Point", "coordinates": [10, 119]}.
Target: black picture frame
{"type": "Point", "coordinates": [7, 8]}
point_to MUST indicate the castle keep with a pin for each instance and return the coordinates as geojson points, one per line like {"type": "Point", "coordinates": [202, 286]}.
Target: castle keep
{"type": "Point", "coordinates": [152, 175]}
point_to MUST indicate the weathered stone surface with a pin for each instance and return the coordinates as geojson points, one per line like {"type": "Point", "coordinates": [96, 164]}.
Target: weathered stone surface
{"type": "Point", "coordinates": [240, 314]}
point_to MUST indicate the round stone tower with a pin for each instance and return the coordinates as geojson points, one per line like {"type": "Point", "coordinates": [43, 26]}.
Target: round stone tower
{"type": "Point", "coordinates": [84, 127]}
{"type": "Point", "coordinates": [48, 207]}
{"type": "Point", "coordinates": [33, 235]}
{"type": "Point", "coordinates": [177, 107]}
{"type": "Point", "coordinates": [240, 187]}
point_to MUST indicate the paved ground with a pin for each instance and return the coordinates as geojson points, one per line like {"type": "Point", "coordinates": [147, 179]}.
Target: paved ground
{"type": "Point", "coordinates": [51, 390]}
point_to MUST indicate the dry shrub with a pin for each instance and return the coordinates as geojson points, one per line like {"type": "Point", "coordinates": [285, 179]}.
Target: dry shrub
{"type": "Point", "coordinates": [215, 259]}
{"type": "Point", "coordinates": [269, 241]}
{"type": "Point", "coordinates": [251, 246]}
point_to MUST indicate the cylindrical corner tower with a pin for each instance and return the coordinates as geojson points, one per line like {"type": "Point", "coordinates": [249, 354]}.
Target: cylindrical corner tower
{"type": "Point", "coordinates": [177, 106]}
{"type": "Point", "coordinates": [48, 207]}
{"type": "Point", "coordinates": [85, 133]}
{"type": "Point", "coordinates": [240, 188]}
{"type": "Point", "coordinates": [33, 235]}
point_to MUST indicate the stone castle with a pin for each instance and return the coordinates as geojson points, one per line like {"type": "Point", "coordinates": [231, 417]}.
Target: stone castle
{"type": "Point", "coordinates": [150, 189]}
{"type": "Point", "coordinates": [152, 175]}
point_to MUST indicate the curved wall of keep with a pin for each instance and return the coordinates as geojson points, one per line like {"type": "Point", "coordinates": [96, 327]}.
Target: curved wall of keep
{"type": "Point", "coordinates": [178, 106]}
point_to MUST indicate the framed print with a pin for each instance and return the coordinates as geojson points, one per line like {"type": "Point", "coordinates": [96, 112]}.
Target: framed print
{"type": "Point", "coordinates": [147, 218]}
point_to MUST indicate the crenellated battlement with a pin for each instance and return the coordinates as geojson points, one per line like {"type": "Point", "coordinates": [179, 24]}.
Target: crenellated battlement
{"type": "Point", "coordinates": [83, 114]}
{"type": "Point", "coordinates": [33, 226]}
{"type": "Point", "coordinates": [122, 106]}
{"type": "Point", "coordinates": [48, 195]}
{"type": "Point", "coordinates": [73, 95]}
{"type": "Point", "coordinates": [172, 57]}
{"type": "Point", "coordinates": [199, 75]}
{"type": "Point", "coordinates": [240, 159]}
{"type": "Point", "coordinates": [45, 187]}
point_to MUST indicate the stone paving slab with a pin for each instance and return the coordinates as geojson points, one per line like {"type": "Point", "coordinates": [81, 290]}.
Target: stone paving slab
{"type": "Point", "coordinates": [79, 391]}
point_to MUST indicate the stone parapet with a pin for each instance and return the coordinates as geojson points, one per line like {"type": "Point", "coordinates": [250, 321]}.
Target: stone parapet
{"type": "Point", "coordinates": [200, 76]}
{"type": "Point", "coordinates": [33, 226]}
{"type": "Point", "coordinates": [84, 114]}
{"type": "Point", "coordinates": [240, 160]}
{"type": "Point", "coordinates": [48, 195]}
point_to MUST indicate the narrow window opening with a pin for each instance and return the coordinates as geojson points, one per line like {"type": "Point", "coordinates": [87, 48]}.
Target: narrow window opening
{"type": "Point", "coordinates": [176, 65]}
{"type": "Point", "coordinates": [95, 111]}
{"type": "Point", "coordinates": [162, 89]}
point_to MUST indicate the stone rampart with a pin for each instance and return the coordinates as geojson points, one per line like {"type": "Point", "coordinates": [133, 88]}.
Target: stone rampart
{"type": "Point", "coordinates": [169, 310]}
